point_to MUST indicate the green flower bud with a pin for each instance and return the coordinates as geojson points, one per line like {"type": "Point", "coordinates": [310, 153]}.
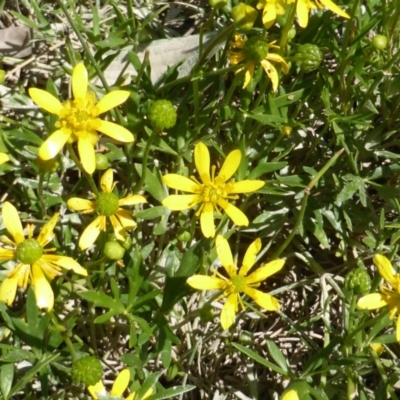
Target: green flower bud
{"type": "Point", "coordinates": [87, 370]}
{"type": "Point", "coordinates": [380, 42]}
{"type": "Point", "coordinates": [309, 57]}
{"type": "Point", "coordinates": [107, 204]}
{"type": "Point", "coordinates": [2, 76]}
{"type": "Point", "coordinates": [244, 16]}
{"type": "Point", "coordinates": [256, 49]}
{"type": "Point", "coordinates": [29, 251]}
{"type": "Point", "coordinates": [113, 250]}
{"type": "Point", "coordinates": [217, 3]}
{"type": "Point", "coordinates": [184, 235]}
{"type": "Point", "coordinates": [291, 34]}
{"type": "Point", "coordinates": [101, 162]}
{"type": "Point", "coordinates": [286, 130]}
{"type": "Point", "coordinates": [162, 115]}
{"type": "Point", "coordinates": [358, 281]}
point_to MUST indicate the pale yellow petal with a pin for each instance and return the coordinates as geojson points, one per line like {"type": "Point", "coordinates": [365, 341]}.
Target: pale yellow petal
{"type": "Point", "coordinates": [225, 255]}
{"type": "Point", "coordinates": [385, 269]}
{"type": "Point", "coordinates": [106, 181]}
{"type": "Point", "coordinates": [77, 204]}
{"type": "Point", "coordinates": [272, 74]}
{"type": "Point", "coordinates": [7, 254]}
{"type": "Point", "coordinates": [228, 312]}
{"type": "Point", "coordinates": [87, 155]}
{"type": "Point", "coordinates": [250, 257]}
{"type": "Point", "coordinates": [111, 100]}
{"type": "Point", "coordinates": [125, 218]}
{"type": "Point", "coordinates": [249, 72]}
{"type": "Point", "coordinates": [46, 101]}
{"type": "Point", "coordinates": [121, 383]}
{"type": "Point", "coordinates": [372, 301]}
{"type": "Point", "coordinates": [98, 388]}
{"type": "Point", "coordinates": [179, 202]}
{"type": "Point", "coordinates": [334, 8]}
{"type": "Point", "coordinates": [230, 165]}
{"type": "Point", "coordinates": [207, 220]}
{"type": "Point", "coordinates": [264, 300]}
{"type": "Point", "coordinates": [43, 291]}
{"type": "Point", "coordinates": [132, 200]}
{"type": "Point", "coordinates": [4, 158]}
{"type": "Point", "coordinates": [53, 144]}
{"type": "Point", "coordinates": [115, 131]}
{"type": "Point", "coordinates": [302, 13]}
{"type": "Point", "coordinates": [202, 161]}
{"type": "Point", "coordinates": [119, 230]}
{"type": "Point", "coordinates": [12, 222]}
{"type": "Point", "coordinates": [67, 263]}
{"type": "Point", "coordinates": [79, 81]}
{"type": "Point", "coordinates": [203, 282]}
{"type": "Point", "coordinates": [8, 290]}
{"type": "Point", "coordinates": [46, 234]}
{"type": "Point", "coordinates": [247, 186]}
{"type": "Point", "coordinates": [91, 232]}
{"type": "Point", "coordinates": [180, 182]}
{"type": "Point", "coordinates": [262, 273]}
{"type": "Point", "coordinates": [237, 216]}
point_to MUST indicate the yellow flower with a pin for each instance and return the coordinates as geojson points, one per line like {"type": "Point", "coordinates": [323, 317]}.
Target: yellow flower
{"type": "Point", "coordinates": [271, 8]}
{"type": "Point", "coordinates": [290, 395]}
{"type": "Point", "coordinates": [108, 205]}
{"type": "Point", "coordinates": [256, 51]}
{"type": "Point", "coordinates": [79, 119]}
{"type": "Point", "coordinates": [4, 158]}
{"type": "Point", "coordinates": [304, 6]}
{"type": "Point", "coordinates": [33, 264]}
{"type": "Point", "coordinates": [212, 192]}
{"type": "Point", "coordinates": [238, 282]}
{"type": "Point", "coordinates": [118, 388]}
{"type": "Point", "coordinates": [389, 297]}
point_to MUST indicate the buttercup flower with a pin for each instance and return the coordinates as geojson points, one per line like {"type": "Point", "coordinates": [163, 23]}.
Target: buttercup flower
{"type": "Point", "coordinates": [213, 192]}
{"type": "Point", "coordinates": [389, 296]}
{"type": "Point", "coordinates": [79, 119]}
{"type": "Point", "coordinates": [107, 205]}
{"type": "Point", "coordinates": [34, 263]}
{"type": "Point", "coordinates": [256, 51]}
{"type": "Point", "coordinates": [238, 282]}
{"type": "Point", "coordinates": [271, 8]}
{"type": "Point", "coordinates": [118, 388]}
{"type": "Point", "coordinates": [304, 6]}
{"type": "Point", "coordinates": [4, 158]}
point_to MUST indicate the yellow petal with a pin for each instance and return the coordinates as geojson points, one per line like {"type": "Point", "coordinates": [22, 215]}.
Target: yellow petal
{"type": "Point", "coordinates": [237, 216]}
{"type": "Point", "coordinates": [290, 395]}
{"type": "Point", "coordinates": [385, 269]}
{"type": "Point", "coordinates": [125, 218]}
{"type": "Point", "coordinates": [121, 383]}
{"type": "Point", "coordinates": [207, 220]}
{"type": "Point", "coordinates": [111, 100]}
{"type": "Point", "coordinates": [46, 234]}
{"type": "Point", "coordinates": [114, 131]}
{"type": "Point", "coordinates": [269, 14]}
{"type": "Point", "coordinates": [225, 255]}
{"type": "Point", "coordinates": [202, 161]}
{"type": "Point", "coordinates": [398, 329]}
{"type": "Point", "coordinates": [87, 155]}
{"type": "Point", "coordinates": [250, 257]}
{"type": "Point", "coordinates": [119, 230]}
{"type": "Point", "coordinates": [43, 291]}
{"type": "Point", "coordinates": [265, 271]}
{"type": "Point", "coordinates": [334, 8]}
{"type": "Point", "coordinates": [67, 263]}
{"type": "Point", "coordinates": [53, 144]}
{"type": "Point", "coordinates": [4, 158]}
{"type": "Point", "coordinates": [278, 59]}
{"type": "Point", "coordinates": [106, 181]}
{"type": "Point", "coordinates": [203, 282]}
{"type": "Point", "coordinates": [272, 74]}
{"type": "Point", "coordinates": [229, 311]}
{"type": "Point", "coordinates": [46, 101]}
{"type": "Point", "coordinates": [79, 81]}
{"type": "Point", "coordinates": [12, 222]}
{"type": "Point", "coordinates": [7, 254]}
{"type": "Point", "coordinates": [372, 301]}
{"type": "Point", "coordinates": [248, 76]}
{"type": "Point", "coordinates": [230, 165]}
{"type": "Point", "coordinates": [180, 182]}
{"type": "Point", "coordinates": [91, 232]}
{"type": "Point", "coordinates": [302, 13]}
{"type": "Point", "coordinates": [132, 200]}
{"type": "Point", "coordinates": [8, 290]}
{"type": "Point", "coordinates": [179, 202]}
{"type": "Point", "coordinates": [98, 388]}
{"type": "Point", "coordinates": [264, 300]}
{"type": "Point", "coordinates": [247, 186]}
{"type": "Point", "coordinates": [77, 204]}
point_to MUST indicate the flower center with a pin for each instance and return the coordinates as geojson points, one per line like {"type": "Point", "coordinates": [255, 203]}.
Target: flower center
{"type": "Point", "coordinates": [212, 193]}
{"type": "Point", "coordinates": [255, 49]}
{"type": "Point", "coordinates": [79, 115]}
{"type": "Point", "coordinates": [239, 283]}
{"type": "Point", "coordinates": [107, 204]}
{"type": "Point", "coordinates": [29, 251]}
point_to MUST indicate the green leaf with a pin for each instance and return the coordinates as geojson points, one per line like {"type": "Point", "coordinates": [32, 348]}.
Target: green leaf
{"type": "Point", "coordinates": [171, 393]}
{"type": "Point", "coordinates": [152, 213]}
{"type": "Point", "coordinates": [277, 355]}
{"type": "Point", "coordinates": [147, 384]}
{"type": "Point", "coordinates": [152, 183]}
{"type": "Point", "coordinates": [7, 376]}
